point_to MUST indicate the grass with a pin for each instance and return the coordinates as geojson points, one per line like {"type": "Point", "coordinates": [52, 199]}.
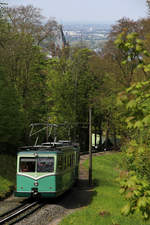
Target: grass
{"type": "Point", "coordinates": [105, 207]}
{"type": "Point", "coordinates": [7, 174]}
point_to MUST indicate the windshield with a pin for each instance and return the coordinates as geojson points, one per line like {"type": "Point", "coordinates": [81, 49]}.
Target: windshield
{"type": "Point", "coordinates": [27, 165]}
{"type": "Point", "coordinates": [43, 164]}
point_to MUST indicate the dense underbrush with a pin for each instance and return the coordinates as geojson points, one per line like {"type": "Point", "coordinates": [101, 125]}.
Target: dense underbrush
{"type": "Point", "coordinates": [7, 174]}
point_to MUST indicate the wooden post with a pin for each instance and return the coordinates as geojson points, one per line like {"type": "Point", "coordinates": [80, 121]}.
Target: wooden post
{"type": "Point", "coordinates": [90, 147]}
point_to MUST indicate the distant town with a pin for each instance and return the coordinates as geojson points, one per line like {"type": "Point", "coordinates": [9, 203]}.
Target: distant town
{"type": "Point", "coordinates": [91, 35]}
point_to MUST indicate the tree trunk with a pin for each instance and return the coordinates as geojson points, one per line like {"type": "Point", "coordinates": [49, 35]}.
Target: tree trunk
{"type": "Point", "coordinates": [100, 135]}
{"type": "Point", "coordinates": [101, 140]}
{"type": "Point", "coordinates": [84, 139]}
{"type": "Point", "coordinates": [115, 139]}
{"type": "Point", "coordinates": [107, 135]}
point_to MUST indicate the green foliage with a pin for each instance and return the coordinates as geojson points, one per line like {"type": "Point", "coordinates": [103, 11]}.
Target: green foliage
{"type": "Point", "coordinates": [135, 184]}
{"type": "Point", "coordinates": [23, 90]}
{"type": "Point", "coordinates": [61, 91]}
{"type": "Point", "coordinates": [137, 102]}
{"type": "Point", "coordinates": [130, 44]}
{"type": "Point", "coordinates": [137, 192]}
{"type": "Point", "coordinates": [11, 117]}
{"type": "Point", "coordinates": [72, 86]}
{"type": "Point", "coordinates": [5, 187]}
{"type": "Point", "coordinates": [7, 174]}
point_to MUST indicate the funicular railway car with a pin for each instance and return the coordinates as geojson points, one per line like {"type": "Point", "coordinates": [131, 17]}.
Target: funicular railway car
{"type": "Point", "coordinates": [46, 171]}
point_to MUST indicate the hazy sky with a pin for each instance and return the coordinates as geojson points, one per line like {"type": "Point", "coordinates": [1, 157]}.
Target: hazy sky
{"type": "Point", "coordinates": [88, 10]}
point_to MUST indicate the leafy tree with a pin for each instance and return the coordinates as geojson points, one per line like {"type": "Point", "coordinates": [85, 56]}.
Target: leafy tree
{"type": "Point", "coordinates": [73, 85]}
{"type": "Point", "coordinates": [11, 125]}
{"type": "Point", "coordinates": [25, 66]}
{"type": "Point", "coordinates": [29, 20]}
{"type": "Point", "coordinates": [136, 103]}
{"type": "Point", "coordinates": [120, 68]}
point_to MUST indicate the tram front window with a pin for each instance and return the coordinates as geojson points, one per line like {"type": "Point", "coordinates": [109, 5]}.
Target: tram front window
{"type": "Point", "coordinates": [45, 164]}
{"type": "Point", "coordinates": [27, 165]}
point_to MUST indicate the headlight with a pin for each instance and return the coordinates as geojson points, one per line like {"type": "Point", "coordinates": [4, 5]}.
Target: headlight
{"type": "Point", "coordinates": [36, 183]}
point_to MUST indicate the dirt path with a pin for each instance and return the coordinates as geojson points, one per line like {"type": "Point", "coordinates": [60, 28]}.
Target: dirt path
{"type": "Point", "coordinates": [80, 196]}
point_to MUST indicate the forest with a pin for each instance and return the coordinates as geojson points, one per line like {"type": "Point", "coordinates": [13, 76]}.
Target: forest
{"type": "Point", "coordinates": [44, 82]}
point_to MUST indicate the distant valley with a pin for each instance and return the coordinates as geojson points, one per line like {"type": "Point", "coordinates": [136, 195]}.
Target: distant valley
{"type": "Point", "coordinates": [90, 35]}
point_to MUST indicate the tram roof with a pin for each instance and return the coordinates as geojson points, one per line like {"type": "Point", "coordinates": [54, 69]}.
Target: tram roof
{"type": "Point", "coordinates": [39, 152]}
{"type": "Point", "coordinates": [45, 149]}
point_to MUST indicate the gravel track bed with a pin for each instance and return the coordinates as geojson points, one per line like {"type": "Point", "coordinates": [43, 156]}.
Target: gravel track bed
{"type": "Point", "coordinates": [10, 203]}
{"type": "Point", "coordinates": [44, 216]}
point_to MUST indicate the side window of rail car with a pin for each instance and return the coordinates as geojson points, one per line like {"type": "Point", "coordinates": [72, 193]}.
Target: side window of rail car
{"type": "Point", "coordinates": [70, 160]}
{"type": "Point", "coordinates": [45, 164]}
{"type": "Point", "coordinates": [65, 162]}
{"type": "Point", "coordinates": [73, 159]}
{"type": "Point", "coordinates": [27, 165]}
{"type": "Point", "coordinates": [60, 163]}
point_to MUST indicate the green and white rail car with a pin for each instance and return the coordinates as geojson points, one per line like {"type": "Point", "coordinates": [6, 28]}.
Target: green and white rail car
{"type": "Point", "coordinates": [46, 171]}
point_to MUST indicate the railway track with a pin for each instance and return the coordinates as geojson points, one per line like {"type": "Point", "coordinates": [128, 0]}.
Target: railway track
{"type": "Point", "coordinates": [20, 212]}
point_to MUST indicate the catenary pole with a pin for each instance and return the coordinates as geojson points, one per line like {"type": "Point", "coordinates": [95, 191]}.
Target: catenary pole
{"type": "Point", "coordinates": [90, 146]}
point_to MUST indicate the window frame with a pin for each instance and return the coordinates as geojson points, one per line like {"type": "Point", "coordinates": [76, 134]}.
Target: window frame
{"type": "Point", "coordinates": [35, 160]}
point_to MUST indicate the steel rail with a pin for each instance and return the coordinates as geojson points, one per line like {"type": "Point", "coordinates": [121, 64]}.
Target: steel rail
{"type": "Point", "coordinates": [9, 217]}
